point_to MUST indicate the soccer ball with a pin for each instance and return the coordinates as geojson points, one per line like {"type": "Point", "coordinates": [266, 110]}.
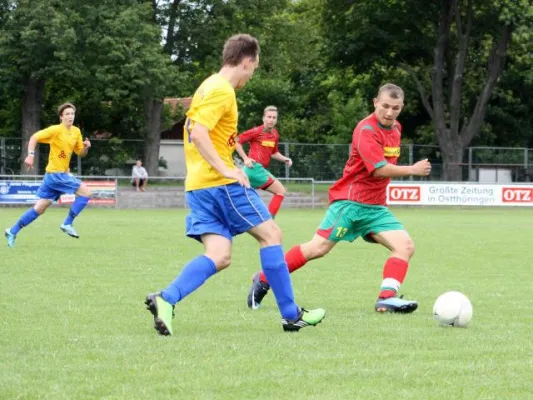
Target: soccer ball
{"type": "Point", "coordinates": [452, 309]}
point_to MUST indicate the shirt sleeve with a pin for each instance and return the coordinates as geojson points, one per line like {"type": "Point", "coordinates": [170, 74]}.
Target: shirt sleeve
{"type": "Point", "coordinates": [79, 144]}
{"type": "Point", "coordinates": [47, 135]}
{"type": "Point", "coordinates": [211, 108]}
{"type": "Point", "coordinates": [369, 147]}
{"type": "Point", "coordinates": [248, 136]}
{"type": "Point", "coordinates": [276, 150]}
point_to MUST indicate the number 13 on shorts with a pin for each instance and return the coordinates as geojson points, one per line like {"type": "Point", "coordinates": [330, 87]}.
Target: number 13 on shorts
{"type": "Point", "coordinates": [341, 231]}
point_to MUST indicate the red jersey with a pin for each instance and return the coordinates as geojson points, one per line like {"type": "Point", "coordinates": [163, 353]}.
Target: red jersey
{"type": "Point", "coordinates": [262, 144]}
{"type": "Point", "coordinates": [373, 146]}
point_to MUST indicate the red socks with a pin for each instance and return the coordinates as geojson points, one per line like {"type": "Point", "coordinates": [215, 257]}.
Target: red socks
{"type": "Point", "coordinates": [275, 204]}
{"type": "Point", "coordinates": [394, 273]}
{"type": "Point", "coordinates": [294, 259]}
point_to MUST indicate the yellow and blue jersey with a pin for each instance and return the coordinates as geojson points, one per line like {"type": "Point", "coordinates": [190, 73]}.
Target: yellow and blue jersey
{"type": "Point", "coordinates": [63, 142]}
{"type": "Point", "coordinates": [214, 105]}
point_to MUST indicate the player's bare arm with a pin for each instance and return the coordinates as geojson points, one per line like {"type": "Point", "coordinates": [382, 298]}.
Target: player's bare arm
{"type": "Point", "coordinates": [200, 137]}
{"type": "Point", "coordinates": [86, 147]}
{"type": "Point", "coordinates": [28, 161]}
{"type": "Point", "coordinates": [280, 157]}
{"type": "Point", "coordinates": [249, 162]}
{"type": "Point", "coordinates": [421, 168]}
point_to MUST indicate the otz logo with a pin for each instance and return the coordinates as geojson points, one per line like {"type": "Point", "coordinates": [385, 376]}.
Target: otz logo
{"type": "Point", "coordinates": [517, 195]}
{"type": "Point", "coordinates": [404, 193]}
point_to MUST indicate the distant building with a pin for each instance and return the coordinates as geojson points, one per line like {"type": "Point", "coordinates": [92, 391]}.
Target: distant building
{"type": "Point", "coordinates": [175, 132]}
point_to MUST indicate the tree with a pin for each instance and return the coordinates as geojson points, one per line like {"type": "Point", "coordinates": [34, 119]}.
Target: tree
{"type": "Point", "coordinates": [457, 48]}
{"type": "Point", "coordinates": [108, 52]}
{"type": "Point", "coordinates": [35, 37]}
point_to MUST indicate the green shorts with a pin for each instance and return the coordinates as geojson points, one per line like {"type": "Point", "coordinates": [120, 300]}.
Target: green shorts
{"type": "Point", "coordinates": [259, 177]}
{"type": "Point", "coordinates": [348, 220]}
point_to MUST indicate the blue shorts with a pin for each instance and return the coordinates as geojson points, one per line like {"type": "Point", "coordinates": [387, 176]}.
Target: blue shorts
{"type": "Point", "coordinates": [57, 183]}
{"type": "Point", "coordinates": [226, 210]}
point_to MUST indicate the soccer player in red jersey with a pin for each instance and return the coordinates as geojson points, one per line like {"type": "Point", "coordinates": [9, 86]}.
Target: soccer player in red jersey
{"type": "Point", "coordinates": [358, 204]}
{"type": "Point", "coordinates": [264, 146]}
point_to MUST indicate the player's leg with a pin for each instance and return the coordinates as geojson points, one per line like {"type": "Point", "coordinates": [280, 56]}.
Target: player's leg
{"type": "Point", "coordinates": [46, 194]}
{"type": "Point", "coordinates": [335, 226]}
{"type": "Point", "coordinates": [144, 183]}
{"type": "Point", "coordinates": [69, 184]}
{"type": "Point", "coordinates": [216, 257]}
{"type": "Point", "coordinates": [269, 236]}
{"type": "Point", "coordinates": [25, 219]}
{"type": "Point", "coordinates": [277, 188]}
{"type": "Point", "coordinates": [295, 258]}
{"type": "Point", "coordinates": [260, 178]}
{"type": "Point", "coordinates": [243, 211]}
{"type": "Point", "coordinates": [203, 224]}
{"type": "Point", "coordinates": [389, 232]}
{"type": "Point", "coordinates": [137, 182]}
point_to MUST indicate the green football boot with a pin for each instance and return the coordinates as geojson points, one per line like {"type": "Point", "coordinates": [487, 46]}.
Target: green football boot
{"type": "Point", "coordinates": [162, 311]}
{"type": "Point", "coordinates": [305, 318]}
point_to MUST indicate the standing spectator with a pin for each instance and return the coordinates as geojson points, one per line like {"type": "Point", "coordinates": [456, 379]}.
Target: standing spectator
{"type": "Point", "coordinates": [139, 176]}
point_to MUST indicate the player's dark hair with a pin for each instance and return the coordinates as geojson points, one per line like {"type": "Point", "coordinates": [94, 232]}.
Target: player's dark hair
{"type": "Point", "coordinates": [393, 90]}
{"type": "Point", "coordinates": [239, 47]}
{"type": "Point", "coordinates": [63, 107]}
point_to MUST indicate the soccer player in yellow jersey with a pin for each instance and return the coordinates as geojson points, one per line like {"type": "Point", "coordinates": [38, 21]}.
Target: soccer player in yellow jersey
{"type": "Point", "coordinates": [222, 203]}
{"type": "Point", "coordinates": [64, 139]}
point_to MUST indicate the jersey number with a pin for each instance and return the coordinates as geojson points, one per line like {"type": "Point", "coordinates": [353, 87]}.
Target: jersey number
{"type": "Point", "coordinates": [231, 140]}
{"type": "Point", "coordinates": [341, 231]}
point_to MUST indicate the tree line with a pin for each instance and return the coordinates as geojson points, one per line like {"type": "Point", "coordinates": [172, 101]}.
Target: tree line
{"type": "Point", "coordinates": [465, 65]}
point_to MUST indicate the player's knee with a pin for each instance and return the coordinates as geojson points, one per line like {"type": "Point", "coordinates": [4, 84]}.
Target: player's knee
{"type": "Point", "coordinates": [40, 209]}
{"type": "Point", "coordinates": [272, 236]}
{"type": "Point", "coordinates": [409, 248]}
{"type": "Point", "coordinates": [85, 191]}
{"type": "Point", "coordinates": [222, 261]}
{"type": "Point", "coordinates": [41, 206]}
{"type": "Point", "coordinates": [315, 249]}
{"type": "Point", "coordinates": [320, 250]}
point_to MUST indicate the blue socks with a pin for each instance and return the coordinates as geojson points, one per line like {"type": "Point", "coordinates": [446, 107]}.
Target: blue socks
{"type": "Point", "coordinates": [277, 274]}
{"type": "Point", "coordinates": [27, 218]}
{"type": "Point", "coordinates": [77, 207]}
{"type": "Point", "coordinates": [31, 215]}
{"type": "Point", "coordinates": [193, 275]}
{"type": "Point", "coordinates": [197, 271]}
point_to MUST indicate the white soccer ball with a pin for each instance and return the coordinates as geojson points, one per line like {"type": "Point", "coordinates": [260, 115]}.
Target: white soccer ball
{"type": "Point", "coordinates": [453, 309]}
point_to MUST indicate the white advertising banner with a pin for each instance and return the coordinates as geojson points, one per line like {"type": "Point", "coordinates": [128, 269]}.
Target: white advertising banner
{"type": "Point", "coordinates": [459, 194]}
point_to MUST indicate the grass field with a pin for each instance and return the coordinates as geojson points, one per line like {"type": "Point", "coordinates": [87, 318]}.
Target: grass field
{"type": "Point", "coordinates": [73, 323]}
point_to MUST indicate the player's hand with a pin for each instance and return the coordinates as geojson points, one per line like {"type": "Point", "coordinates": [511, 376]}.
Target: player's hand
{"type": "Point", "coordinates": [86, 143]}
{"type": "Point", "coordinates": [288, 161]}
{"type": "Point", "coordinates": [28, 161]}
{"type": "Point", "coordinates": [239, 175]}
{"type": "Point", "coordinates": [422, 167]}
{"type": "Point", "coordinates": [249, 162]}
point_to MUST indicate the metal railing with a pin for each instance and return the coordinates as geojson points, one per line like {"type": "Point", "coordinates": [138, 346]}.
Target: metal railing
{"type": "Point", "coordinates": [123, 183]}
{"type": "Point", "coordinates": [323, 162]}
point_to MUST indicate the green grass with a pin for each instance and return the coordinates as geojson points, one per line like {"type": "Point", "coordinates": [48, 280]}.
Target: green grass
{"type": "Point", "coordinates": [73, 324]}
{"type": "Point", "coordinates": [305, 187]}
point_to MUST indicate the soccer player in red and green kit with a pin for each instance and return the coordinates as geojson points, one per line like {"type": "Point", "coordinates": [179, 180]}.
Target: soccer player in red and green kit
{"type": "Point", "coordinates": [264, 146]}
{"type": "Point", "coordinates": [358, 204]}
